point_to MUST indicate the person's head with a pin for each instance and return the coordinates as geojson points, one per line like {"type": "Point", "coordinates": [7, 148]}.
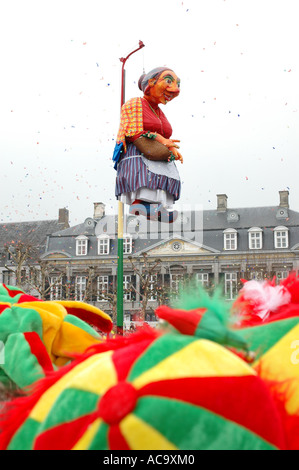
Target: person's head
{"type": "Point", "coordinates": [160, 84]}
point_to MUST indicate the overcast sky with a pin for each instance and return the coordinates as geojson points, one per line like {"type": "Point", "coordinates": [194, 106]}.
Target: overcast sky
{"type": "Point", "coordinates": [236, 116]}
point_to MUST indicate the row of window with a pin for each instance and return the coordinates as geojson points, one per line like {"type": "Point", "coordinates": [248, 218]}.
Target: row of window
{"type": "Point", "coordinates": [255, 241]}
{"type": "Point", "coordinates": [230, 285]}
{"type": "Point", "coordinates": [102, 287]}
{"type": "Point", "coordinates": [103, 245]}
{"type": "Point", "coordinates": [255, 238]}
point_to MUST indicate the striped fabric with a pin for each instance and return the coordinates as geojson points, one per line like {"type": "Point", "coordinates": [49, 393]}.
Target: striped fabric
{"type": "Point", "coordinates": [132, 174]}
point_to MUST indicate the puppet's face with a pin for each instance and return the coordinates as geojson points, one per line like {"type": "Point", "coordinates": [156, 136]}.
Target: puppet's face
{"type": "Point", "coordinates": [165, 88]}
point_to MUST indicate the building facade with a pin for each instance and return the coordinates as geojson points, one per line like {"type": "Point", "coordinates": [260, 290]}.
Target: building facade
{"type": "Point", "coordinates": [220, 246]}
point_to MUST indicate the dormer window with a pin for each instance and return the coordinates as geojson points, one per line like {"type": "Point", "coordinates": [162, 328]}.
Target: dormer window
{"type": "Point", "coordinates": [255, 238]}
{"type": "Point", "coordinates": [81, 245]}
{"type": "Point", "coordinates": [281, 237]}
{"type": "Point", "coordinates": [230, 239]}
{"type": "Point", "coordinates": [103, 245]}
{"type": "Point", "coordinates": [127, 244]}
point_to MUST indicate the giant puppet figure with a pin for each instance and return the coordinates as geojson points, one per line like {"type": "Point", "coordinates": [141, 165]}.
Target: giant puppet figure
{"type": "Point", "coordinates": [147, 176]}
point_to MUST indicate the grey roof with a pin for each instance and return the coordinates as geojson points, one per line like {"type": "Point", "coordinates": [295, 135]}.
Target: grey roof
{"type": "Point", "coordinates": [271, 216]}
{"type": "Point", "coordinates": [213, 223]}
{"type": "Point", "coordinates": [212, 220]}
{"type": "Point", "coordinates": [35, 233]}
{"type": "Point", "coordinates": [76, 230]}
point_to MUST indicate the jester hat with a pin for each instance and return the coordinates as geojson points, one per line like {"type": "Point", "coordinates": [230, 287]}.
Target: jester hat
{"type": "Point", "coordinates": [39, 336]}
{"type": "Point", "coordinates": [267, 317]}
{"type": "Point", "coordinates": [151, 391]}
{"type": "Point", "coordinates": [261, 326]}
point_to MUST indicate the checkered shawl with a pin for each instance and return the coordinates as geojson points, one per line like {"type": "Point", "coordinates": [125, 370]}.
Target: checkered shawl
{"type": "Point", "coordinates": [131, 121]}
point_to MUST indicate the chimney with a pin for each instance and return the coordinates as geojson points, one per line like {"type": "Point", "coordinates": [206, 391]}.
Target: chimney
{"type": "Point", "coordinates": [63, 217]}
{"type": "Point", "coordinates": [221, 202]}
{"type": "Point", "coordinates": [99, 210]}
{"type": "Point", "coordinates": [284, 199]}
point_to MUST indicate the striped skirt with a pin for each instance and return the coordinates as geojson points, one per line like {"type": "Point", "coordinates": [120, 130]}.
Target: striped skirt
{"type": "Point", "coordinates": [158, 181]}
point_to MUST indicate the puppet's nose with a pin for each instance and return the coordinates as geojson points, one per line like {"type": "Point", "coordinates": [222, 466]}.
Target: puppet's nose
{"type": "Point", "coordinates": [173, 88]}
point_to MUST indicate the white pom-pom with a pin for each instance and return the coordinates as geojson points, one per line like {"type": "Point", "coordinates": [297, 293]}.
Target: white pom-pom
{"type": "Point", "coordinates": [264, 297]}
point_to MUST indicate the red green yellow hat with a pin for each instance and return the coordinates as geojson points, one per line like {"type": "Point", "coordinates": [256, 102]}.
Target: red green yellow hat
{"type": "Point", "coordinates": [153, 392]}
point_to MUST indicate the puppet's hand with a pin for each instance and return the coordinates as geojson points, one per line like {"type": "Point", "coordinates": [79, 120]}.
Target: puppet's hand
{"type": "Point", "coordinates": [170, 143]}
{"type": "Point", "coordinates": [167, 142]}
{"type": "Point", "coordinates": [176, 154]}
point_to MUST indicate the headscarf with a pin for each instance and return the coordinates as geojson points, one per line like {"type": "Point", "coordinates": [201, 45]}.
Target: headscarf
{"type": "Point", "coordinates": [144, 79]}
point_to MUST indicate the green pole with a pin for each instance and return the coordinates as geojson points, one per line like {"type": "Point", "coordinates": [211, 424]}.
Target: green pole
{"type": "Point", "coordinates": [120, 270]}
{"type": "Point", "coordinates": [120, 229]}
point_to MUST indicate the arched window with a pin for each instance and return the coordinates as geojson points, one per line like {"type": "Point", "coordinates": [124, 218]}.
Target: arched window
{"type": "Point", "coordinates": [230, 239]}
{"type": "Point", "coordinates": [255, 238]}
{"type": "Point", "coordinates": [103, 244]}
{"type": "Point", "coordinates": [281, 237]}
{"type": "Point", "coordinates": [127, 244]}
{"type": "Point", "coordinates": [81, 245]}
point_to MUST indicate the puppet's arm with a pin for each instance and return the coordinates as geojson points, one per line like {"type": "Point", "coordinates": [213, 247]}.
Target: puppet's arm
{"type": "Point", "coordinates": [171, 144]}
{"type": "Point", "coordinates": [152, 149]}
{"type": "Point", "coordinates": [155, 147]}
{"type": "Point", "coordinates": [167, 142]}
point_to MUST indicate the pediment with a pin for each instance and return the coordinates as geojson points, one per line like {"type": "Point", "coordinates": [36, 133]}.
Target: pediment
{"type": "Point", "coordinates": [56, 255]}
{"type": "Point", "coordinates": [178, 246]}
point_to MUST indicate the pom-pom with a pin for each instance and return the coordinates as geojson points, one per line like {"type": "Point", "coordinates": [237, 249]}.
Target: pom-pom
{"type": "Point", "coordinates": [262, 298]}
